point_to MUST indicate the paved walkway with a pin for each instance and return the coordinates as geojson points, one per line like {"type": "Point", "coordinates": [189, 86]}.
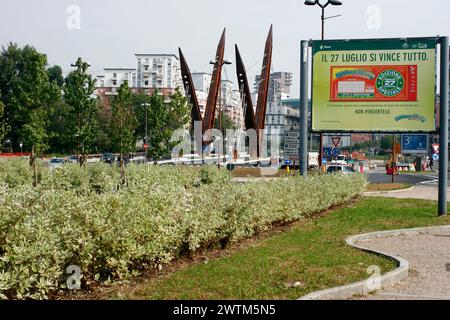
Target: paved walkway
{"type": "Point", "coordinates": [418, 192]}
{"type": "Point", "coordinates": [429, 273]}
{"type": "Point", "coordinates": [428, 255]}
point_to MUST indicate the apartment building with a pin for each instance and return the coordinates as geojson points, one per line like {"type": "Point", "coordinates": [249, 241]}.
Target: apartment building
{"type": "Point", "coordinates": [158, 72]}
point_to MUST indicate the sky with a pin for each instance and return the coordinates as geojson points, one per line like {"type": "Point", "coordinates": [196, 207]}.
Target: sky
{"type": "Point", "coordinates": [107, 33]}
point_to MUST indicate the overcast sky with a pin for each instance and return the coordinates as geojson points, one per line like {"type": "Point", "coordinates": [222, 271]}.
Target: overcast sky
{"type": "Point", "coordinates": [111, 31]}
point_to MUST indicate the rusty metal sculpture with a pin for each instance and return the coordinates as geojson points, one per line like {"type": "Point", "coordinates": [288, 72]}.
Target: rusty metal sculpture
{"type": "Point", "coordinates": [211, 103]}
{"type": "Point", "coordinates": [188, 84]}
{"type": "Point", "coordinates": [244, 89]}
{"type": "Point", "coordinates": [252, 120]}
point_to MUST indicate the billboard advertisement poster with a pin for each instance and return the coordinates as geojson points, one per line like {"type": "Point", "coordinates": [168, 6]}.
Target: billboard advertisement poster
{"type": "Point", "coordinates": [415, 143]}
{"type": "Point", "coordinates": [382, 85]}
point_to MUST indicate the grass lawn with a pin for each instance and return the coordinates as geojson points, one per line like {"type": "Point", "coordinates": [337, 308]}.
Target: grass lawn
{"type": "Point", "coordinates": [312, 253]}
{"type": "Point", "coordinates": [375, 187]}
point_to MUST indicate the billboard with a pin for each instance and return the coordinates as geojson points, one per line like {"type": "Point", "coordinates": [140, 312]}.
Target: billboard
{"type": "Point", "coordinates": [415, 143]}
{"type": "Point", "coordinates": [382, 85]}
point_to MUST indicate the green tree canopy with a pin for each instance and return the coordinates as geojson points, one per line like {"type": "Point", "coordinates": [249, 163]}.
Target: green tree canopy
{"type": "Point", "coordinates": [27, 95]}
{"type": "Point", "coordinates": [78, 93]}
{"type": "Point", "coordinates": [123, 121]}
{"type": "Point", "coordinates": [164, 117]}
{"type": "Point", "coordinates": [3, 125]}
{"type": "Point", "coordinates": [55, 75]}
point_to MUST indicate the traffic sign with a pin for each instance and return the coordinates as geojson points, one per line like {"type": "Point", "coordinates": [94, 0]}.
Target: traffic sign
{"type": "Point", "coordinates": [435, 157]}
{"type": "Point", "coordinates": [336, 152]}
{"type": "Point", "coordinates": [336, 141]}
{"type": "Point", "coordinates": [287, 162]}
{"type": "Point", "coordinates": [415, 143]}
{"type": "Point", "coordinates": [435, 148]}
{"type": "Point", "coordinates": [324, 161]}
{"type": "Point", "coordinates": [145, 146]}
{"type": "Point", "coordinates": [327, 152]}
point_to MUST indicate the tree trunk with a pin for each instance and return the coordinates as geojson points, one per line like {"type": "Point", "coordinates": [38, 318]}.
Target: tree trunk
{"type": "Point", "coordinates": [33, 165]}
{"type": "Point", "coordinates": [123, 172]}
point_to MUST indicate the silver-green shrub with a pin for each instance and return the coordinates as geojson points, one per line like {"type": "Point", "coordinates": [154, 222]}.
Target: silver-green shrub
{"type": "Point", "coordinates": [83, 217]}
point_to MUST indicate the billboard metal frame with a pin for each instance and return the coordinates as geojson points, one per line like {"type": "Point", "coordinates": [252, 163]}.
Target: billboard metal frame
{"type": "Point", "coordinates": [362, 41]}
{"type": "Point", "coordinates": [305, 45]}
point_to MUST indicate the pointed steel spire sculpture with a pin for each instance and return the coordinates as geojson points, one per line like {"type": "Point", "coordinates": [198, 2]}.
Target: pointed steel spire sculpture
{"type": "Point", "coordinates": [188, 84]}
{"type": "Point", "coordinates": [244, 89]}
{"type": "Point", "coordinates": [210, 111]}
{"type": "Point", "coordinates": [252, 120]}
{"type": "Point", "coordinates": [211, 103]}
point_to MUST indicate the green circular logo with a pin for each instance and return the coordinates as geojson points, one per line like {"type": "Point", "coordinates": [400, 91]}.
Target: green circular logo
{"type": "Point", "coordinates": [390, 83]}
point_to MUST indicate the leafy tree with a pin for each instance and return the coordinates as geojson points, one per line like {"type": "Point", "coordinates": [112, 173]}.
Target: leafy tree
{"type": "Point", "coordinates": [123, 125]}
{"type": "Point", "coordinates": [141, 103]}
{"type": "Point", "coordinates": [104, 141]}
{"type": "Point", "coordinates": [124, 121]}
{"type": "Point", "coordinates": [78, 93]}
{"type": "Point", "coordinates": [3, 126]}
{"type": "Point", "coordinates": [179, 111]}
{"type": "Point", "coordinates": [55, 75]}
{"type": "Point", "coordinates": [60, 121]}
{"type": "Point", "coordinates": [28, 97]}
{"type": "Point", "coordinates": [225, 123]}
{"type": "Point", "coordinates": [163, 119]}
{"type": "Point", "coordinates": [158, 132]}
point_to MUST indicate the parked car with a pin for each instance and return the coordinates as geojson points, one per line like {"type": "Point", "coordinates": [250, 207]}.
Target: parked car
{"type": "Point", "coordinates": [108, 158]}
{"type": "Point", "coordinates": [72, 159]}
{"type": "Point", "coordinates": [56, 163]}
{"type": "Point", "coordinates": [340, 169]}
{"type": "Point", "coordinates": [126, 159]}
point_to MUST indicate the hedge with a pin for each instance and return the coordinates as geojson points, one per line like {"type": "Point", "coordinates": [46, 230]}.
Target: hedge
{"type": "Point", "coordinates": [81, 217]}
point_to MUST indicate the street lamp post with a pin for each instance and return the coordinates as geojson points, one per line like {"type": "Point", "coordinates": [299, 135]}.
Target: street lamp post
{"type": "Point", "coordinates": [146, 105]}
{"type": "Point", "coordinates": [228, 62]}
{"type": "Point", "coordinates": [323, 18]}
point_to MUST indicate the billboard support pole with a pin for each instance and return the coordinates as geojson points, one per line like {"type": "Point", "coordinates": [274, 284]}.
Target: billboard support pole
{"type": "Point", "coordinates": [443, 128]}
{"type": "Point", "coordinates": [303, 152]}
{"type": "Point", "coordinates": [393, 165]}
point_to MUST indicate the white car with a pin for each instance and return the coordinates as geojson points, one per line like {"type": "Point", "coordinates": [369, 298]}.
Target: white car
{"type": "Point", "coordinates": [56, 163]}
{"type": "Point", "coordinates": [340, 169]}
{"type": "Point", "coordinates": [340, 160]}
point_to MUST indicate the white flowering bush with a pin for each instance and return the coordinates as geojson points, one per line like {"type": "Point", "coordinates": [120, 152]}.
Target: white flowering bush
{"type": "Point", "coordinates": [83, 217]}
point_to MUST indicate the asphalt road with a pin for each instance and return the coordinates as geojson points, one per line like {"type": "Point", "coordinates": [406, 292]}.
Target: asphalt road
{"type": "Point", "coordinates": [382, 177]}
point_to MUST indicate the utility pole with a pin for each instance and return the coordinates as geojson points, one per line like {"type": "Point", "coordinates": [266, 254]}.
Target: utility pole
{"type": "Point", "coordinates": [323, 18]}
{"type": "Point", "coordinates": [220, 107]}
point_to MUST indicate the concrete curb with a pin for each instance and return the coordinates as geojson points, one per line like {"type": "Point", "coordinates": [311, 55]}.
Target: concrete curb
{"type": "Point", "coordinates": [388, 192]}
{"type": "Point", "coordinates": [387, 280]}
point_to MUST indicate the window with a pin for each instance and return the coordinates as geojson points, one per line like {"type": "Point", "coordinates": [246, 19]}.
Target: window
{"type": "Point", "coordinates": [114, 82]}
{"type": "Point", "coordinates": [146, 82]}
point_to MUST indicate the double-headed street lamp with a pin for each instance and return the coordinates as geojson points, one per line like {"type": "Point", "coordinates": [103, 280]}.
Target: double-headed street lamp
{"type": "Point", "coordinates": [215, 63]}
{"type": "Point", "coordinates": [323, 6]}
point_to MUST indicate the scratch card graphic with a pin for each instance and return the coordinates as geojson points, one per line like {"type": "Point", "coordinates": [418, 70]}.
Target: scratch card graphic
{"type": "Point", "coordinates": [374, 83]}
